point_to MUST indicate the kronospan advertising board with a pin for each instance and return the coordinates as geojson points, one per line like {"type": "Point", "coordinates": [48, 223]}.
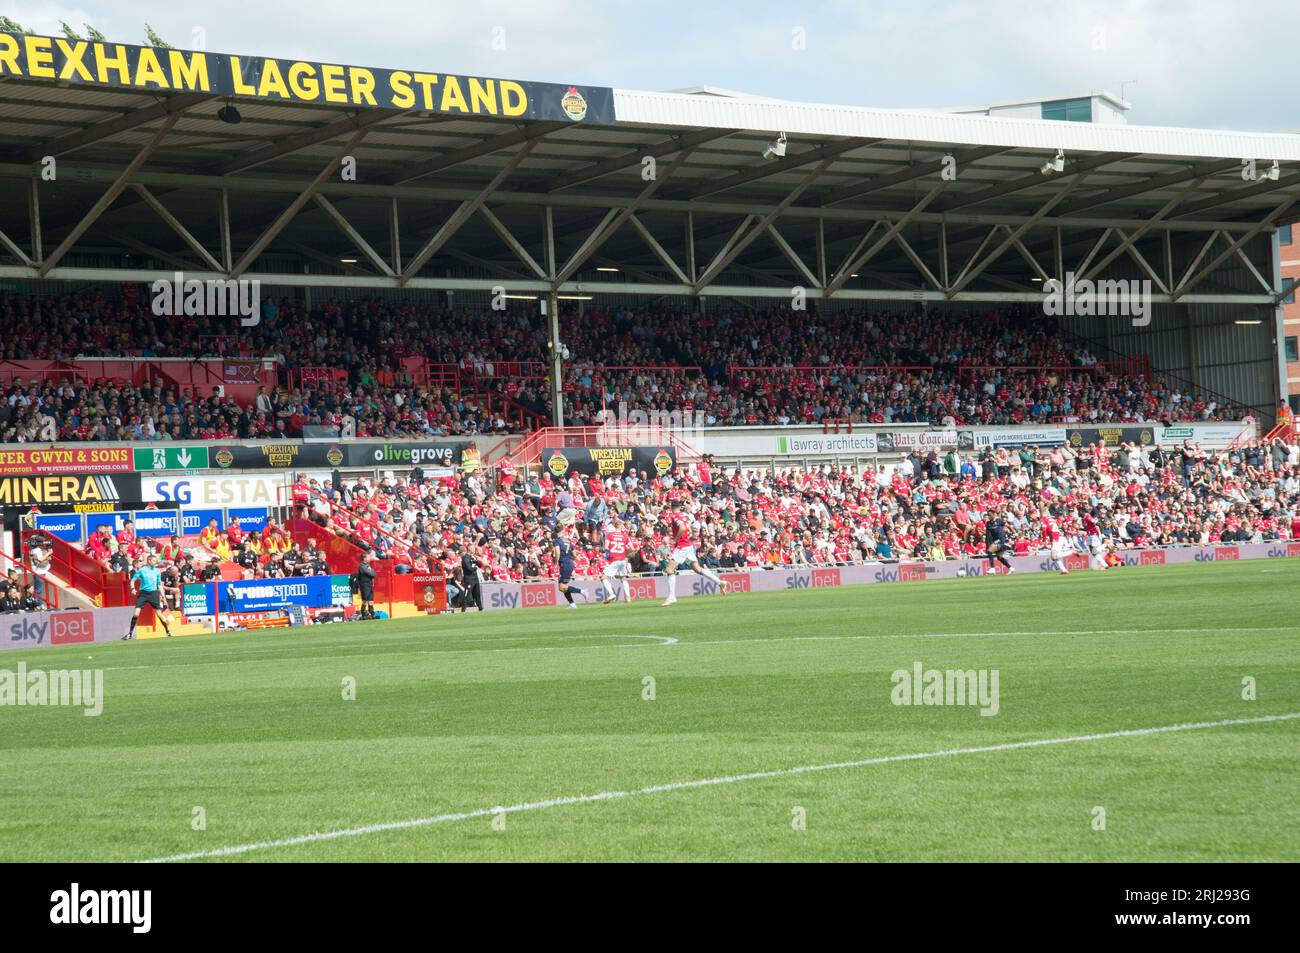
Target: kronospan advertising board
{"type": "Point", "coordinates": [265, 595]}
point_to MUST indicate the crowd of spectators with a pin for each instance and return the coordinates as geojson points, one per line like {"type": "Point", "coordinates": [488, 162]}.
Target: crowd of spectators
{"type": "Point", "coordinates": [105, 411]}
{"type": "Point", "coordinates": [18, 593]}
{"type": "Point", "coordinates": [935, 505]}
{"type": "Point", "coordinates": [268, 553]}
{"type": "Point", "coordinates": [720, 367]}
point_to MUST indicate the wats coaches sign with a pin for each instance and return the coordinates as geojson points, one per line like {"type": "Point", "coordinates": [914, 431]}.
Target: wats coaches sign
{"type": "Point", "coordinates": [120, 65]}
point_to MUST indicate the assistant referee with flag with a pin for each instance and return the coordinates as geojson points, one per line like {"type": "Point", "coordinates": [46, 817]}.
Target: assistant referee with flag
{"type": "Point", "coordinates": [148, 580]}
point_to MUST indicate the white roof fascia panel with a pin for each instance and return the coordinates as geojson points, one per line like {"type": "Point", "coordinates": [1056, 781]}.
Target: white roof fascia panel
{"type": "Point", "coordinates": [710, 112]}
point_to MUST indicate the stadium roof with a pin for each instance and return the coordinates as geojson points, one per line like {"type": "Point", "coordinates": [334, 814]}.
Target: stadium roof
{"type": "Point", "coordinates": [1115, 101]}
{"type": "Point", "coordinates": [858, 207]}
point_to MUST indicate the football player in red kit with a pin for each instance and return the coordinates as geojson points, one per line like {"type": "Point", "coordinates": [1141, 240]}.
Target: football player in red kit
{"type": "Point", "coordinates": [1059, 544]}
{"type": "Point", "coordinates": [1096, 546]}
{"type": "Point", "coordinates": [683, 554]}
{"type": "Point", "coordinates": [617, 540]}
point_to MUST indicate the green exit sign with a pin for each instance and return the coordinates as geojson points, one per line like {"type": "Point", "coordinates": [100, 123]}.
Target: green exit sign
{"type": "Point", "coordinates": [172, 458]}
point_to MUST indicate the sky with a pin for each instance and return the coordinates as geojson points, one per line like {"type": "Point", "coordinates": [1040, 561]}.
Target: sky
{"type": "Point", "coordinates": [1224, 64]}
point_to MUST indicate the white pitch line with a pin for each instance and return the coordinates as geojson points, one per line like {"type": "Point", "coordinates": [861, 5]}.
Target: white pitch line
{"type": "Point", "coordinates": [290, 657]}
{"type": "Point", "coordinates": [702, 783]}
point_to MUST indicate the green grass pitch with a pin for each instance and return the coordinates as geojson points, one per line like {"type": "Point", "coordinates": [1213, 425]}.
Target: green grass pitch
{"type": "Point", "coordinates": [453, 717]}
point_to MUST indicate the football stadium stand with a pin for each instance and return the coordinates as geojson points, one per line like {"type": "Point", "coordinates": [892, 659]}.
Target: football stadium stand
{"type": "Point", "coordinates": [386, 269]}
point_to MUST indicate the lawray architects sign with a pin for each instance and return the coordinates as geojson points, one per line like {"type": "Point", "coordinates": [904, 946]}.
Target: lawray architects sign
{"type": "Point", "coordinates": [765, 443]}
{"type": "Point", "coordinates": [826, 445]}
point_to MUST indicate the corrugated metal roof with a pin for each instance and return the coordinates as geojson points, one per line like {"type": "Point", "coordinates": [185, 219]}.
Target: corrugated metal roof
{"type": "Point", "coordinates": [675, 109]}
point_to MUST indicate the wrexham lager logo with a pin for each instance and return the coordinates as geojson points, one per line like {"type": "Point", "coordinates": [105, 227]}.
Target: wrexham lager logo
{"type": "Point", "coordinates": [333, 456]}
{"type": "Point", "coordinates": [574, 106]}
{"type": "Point", "coordinates": [663, 461]}
{"type": "Point", "coordinates": [224, 457]}
{"type": "Point", "coordinates": [558, 464]}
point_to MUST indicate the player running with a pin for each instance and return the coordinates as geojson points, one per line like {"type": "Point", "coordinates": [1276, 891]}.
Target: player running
{"type": "Point", "coordinates": [1096, 546]}
{"type": "Point", "coordinates": [148, 580]}
{"type": "Point", "coordinates": [683, 554]}
{"type": "Point", "coordinates": [1059, 544]}
{"type": "Point", "coordinates": [995, 542]}
{"type": "Point", "coordinates": [562, 550]}
{"type": "Point", "coordinates": [617, 540]}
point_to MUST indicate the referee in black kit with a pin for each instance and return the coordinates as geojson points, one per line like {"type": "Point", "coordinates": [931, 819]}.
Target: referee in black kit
{"type": "Point", "coordinates": [366, 586]}
{"type": "Point", "coordinates": [471, 591]}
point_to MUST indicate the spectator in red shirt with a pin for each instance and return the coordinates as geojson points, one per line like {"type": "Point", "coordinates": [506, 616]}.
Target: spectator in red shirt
{"type": "Point", "coordinates": [235, 534]}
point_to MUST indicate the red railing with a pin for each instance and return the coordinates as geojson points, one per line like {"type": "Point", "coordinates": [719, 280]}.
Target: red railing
{"type": "Point", "coordinates": [219, 344]}
{"type": "Point", "coordinates": [81, 572]}
{"type": "Point", "coordinates": [530, 451]}
{"type": "Point", "coordinates": [343, 554]}
{"type": "Point", "coordinates": [42, 587]}
{"type": "Point", "coordinates": [803, 372]}
{"type": "Point", "coordinates": [965, 370]}
{"type": "Point", "coordinates": [426, 373]}
{"type": "Point", "coordinates": [653, 368]}
{"type": "Point", "coordinates": [1282, 431]}
{"type": "Point", "coordinates": [43, 372]}
{"type": "Point", "coordinates": [442, 375]}
{"type": "Point", "coordinates": [510, 410]}
{"type": "Point", "coordinates": [1138, 365]}
{"type": "Point", "coordinates": [469, 381]}
{"type": "Point", "coordinates": [503, 453]}
{"type": "Point", "coordinates": [512, 370]}
{"type": "Point", "coordinates": [572, 386]}
{"type": "Point", "coordinates": [313, 376]}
